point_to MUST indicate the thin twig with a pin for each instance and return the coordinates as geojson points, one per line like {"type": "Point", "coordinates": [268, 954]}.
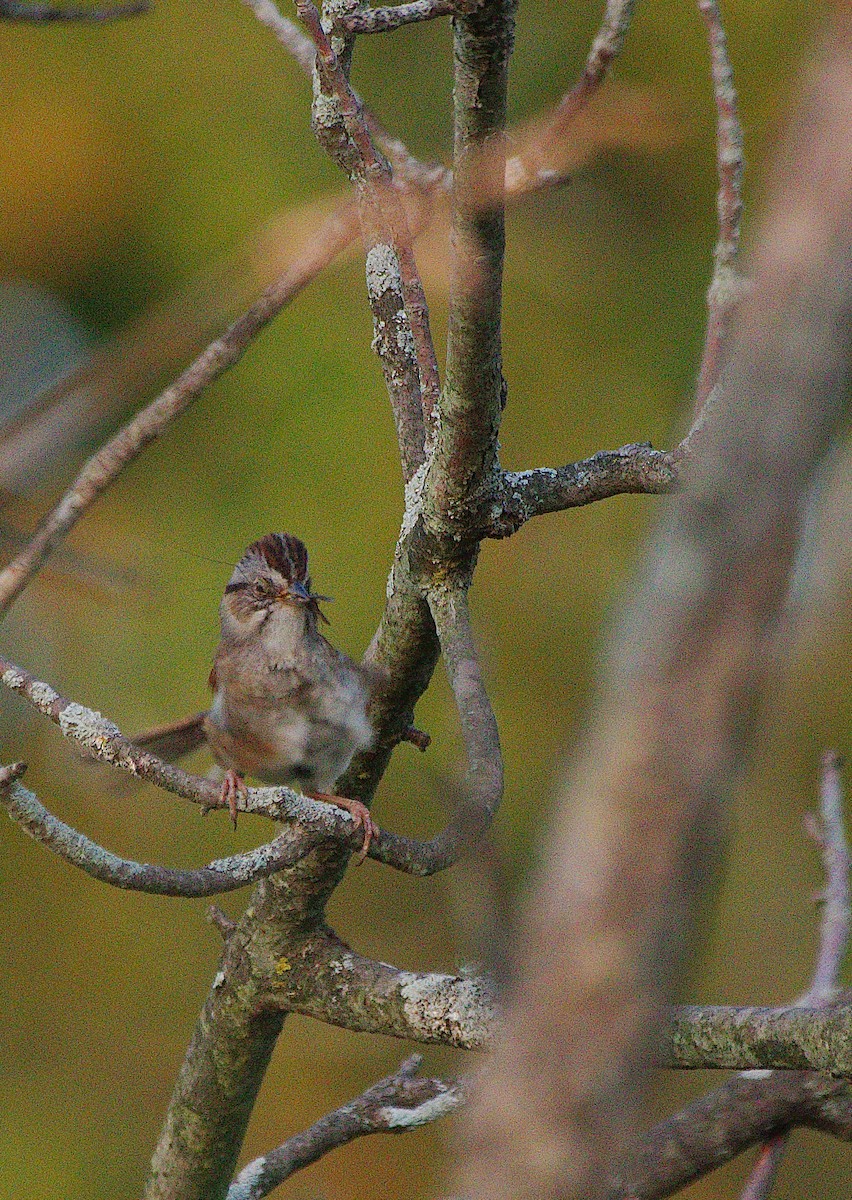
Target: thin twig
{"type": "Point", "coordinates": [43, 13]}
{"type": "Point", "coordinates": [396, 1104]}
{"type": "Point", "coordinates": [726, 287]}
{"type": "Point", "coordinates": [391, 268]}
{"type": "Point", "coordinates": [829, 833]}
{"type": "Point", "coordinates": [531, 169]}
{"type": "Point", "coordinates": [104, 467]}
{"type": "Point", "coordinates": [382, 20]}
{"type": "Point", "coordinates": [222, 875]}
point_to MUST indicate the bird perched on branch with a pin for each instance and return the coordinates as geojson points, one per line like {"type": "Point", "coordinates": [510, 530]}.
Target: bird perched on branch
{"type": "Point", "coordinates": [287, 707]}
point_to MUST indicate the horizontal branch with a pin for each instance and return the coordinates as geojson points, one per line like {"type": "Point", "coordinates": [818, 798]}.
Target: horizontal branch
{"type": "Point", "coordinates": [222, 875]}
{"type": "Point", "coordinates": [744, 1039]}
{"type": "Point", "coordinates": [634, 469]}
{"type": "Point", "coordinates": [100, 738]}
{"type": "Point", "coordinates": [43, 13]}
{"type": "Point", "coordinates": [396, 1104]}
{"type": "Point", "coordinates": [382, 20]}
{"type": "Point", "coordinates": [351, 991]}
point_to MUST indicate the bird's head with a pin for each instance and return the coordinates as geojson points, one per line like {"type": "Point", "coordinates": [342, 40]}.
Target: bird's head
{"type": "Point", "coordinates": [272, 572]}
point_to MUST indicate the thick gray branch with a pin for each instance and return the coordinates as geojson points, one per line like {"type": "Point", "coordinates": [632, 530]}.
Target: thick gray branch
{"type": "Point", "coordinates": [397, 1104]}
{"type": "Point", "coordinates": [223, 875]}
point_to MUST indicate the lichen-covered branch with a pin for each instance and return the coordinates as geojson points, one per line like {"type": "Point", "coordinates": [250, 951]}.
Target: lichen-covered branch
{"type": "Point", "coordinates": [223, 875]}
{"type": "Point", "coordinates": [400, 315]}
{"type": "Point", "coordinates": [462, 433]}
{"type": "Point", "coordinates": [397, 1104]}
{"type": "Point", "coordinates": [737, 1039]}
{"type": "Point", "coordinates": [382, 20]}
{"type": "Point", "coordinates": [335, 984]}
{"type": "Point", "coordinates": [519, 496]}
{"type": "Point", "coordinates": [104, 467]}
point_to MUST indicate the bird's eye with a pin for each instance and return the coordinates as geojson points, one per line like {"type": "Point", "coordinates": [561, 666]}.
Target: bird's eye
{"type": "Point", "coordinates": [262, 589]}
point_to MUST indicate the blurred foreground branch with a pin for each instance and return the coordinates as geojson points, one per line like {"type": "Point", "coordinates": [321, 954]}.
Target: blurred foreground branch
{"type": "Point", "coordinates": [604, 941]}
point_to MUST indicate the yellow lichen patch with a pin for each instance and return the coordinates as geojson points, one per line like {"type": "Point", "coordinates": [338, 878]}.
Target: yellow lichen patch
{"type": "Point", "coordinates": [282, 966]}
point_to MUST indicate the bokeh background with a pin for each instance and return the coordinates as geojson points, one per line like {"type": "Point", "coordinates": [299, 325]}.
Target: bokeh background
{"type": "Point", "coordinates": [135, 160]}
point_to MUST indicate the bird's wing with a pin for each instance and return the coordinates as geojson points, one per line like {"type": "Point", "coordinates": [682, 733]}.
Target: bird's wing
{"type": "Point", "coordinates": [171, 742]}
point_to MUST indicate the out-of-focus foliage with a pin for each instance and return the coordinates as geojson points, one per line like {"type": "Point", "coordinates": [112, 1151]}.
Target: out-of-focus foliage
{"type": "Point", "coordinates": [133, 159]}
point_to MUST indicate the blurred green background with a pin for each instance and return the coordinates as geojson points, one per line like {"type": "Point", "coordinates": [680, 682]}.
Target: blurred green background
{"type": "Point", "coordinates": [133, 158]}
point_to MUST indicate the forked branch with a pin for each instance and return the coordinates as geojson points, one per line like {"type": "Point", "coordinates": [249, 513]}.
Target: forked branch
{"type": "Point", "coordinates": [397, 1104]}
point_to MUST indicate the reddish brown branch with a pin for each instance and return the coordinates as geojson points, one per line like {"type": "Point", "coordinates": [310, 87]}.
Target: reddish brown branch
{"type": "Point", "coordinates": [726, 287]}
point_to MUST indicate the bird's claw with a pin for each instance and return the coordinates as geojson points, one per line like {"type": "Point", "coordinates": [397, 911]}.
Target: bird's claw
{"type": "Point", "coordinates": [360, 815]}
{"type": "Point", "coordinates": [233, 787]}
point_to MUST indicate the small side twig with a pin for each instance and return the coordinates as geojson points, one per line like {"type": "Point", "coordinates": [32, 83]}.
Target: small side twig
{"type": "Point", "coordinates": [828, 832]}
{"type": "Point", "coordinates": [10, 10]}
{"type": "Point", "coordinates": [396, 1104]}
{"type": "Point", "coordinates": [222, 875]}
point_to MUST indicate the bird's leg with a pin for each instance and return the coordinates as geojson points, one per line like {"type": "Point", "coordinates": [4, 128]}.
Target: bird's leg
{"type": "Point", "coordinates": [232, 787]}
{"type": "Point", "coordinates": [360, 814]}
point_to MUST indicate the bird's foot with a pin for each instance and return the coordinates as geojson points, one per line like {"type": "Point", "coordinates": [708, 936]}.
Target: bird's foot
{"type": "Point", "coordinates": [359, 812]}
{"type": "Point", "coordinates": [417, 737]}
{"type": "Point", "coordinates": [233, 787]}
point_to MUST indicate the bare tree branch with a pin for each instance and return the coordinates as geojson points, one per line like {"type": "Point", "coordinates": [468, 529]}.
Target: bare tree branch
{"type": "Point", "coordinates": [382, 20]}
{"type": "Point", "coordinates": [829, 833]}
{"type": "Point", "coordinates": [463, 435]}
{"type": "Point", "coordinates": [726, 287]}
{"type": "Point", "coordinates": [102, 739]}
{"type": "Point", "coordinates": [603, 941]}
{"type": "Point", "coordinates": [396, 1104]}
{"type": "Point", "coordinates": [341, 987]}
{"type": "Point", "coordinates": [10, 10]}
{"type": "Point", "coordinates": [222, 875]}
{"type": "Point", "coordinates": [532, 168]}
{"type": "Point", "coordinates": [400, 315]}
{"type": "Point", "coordinates": [104, 467]}
{"type": "Point", "coordinates": [521, 495]}
{"type": "Point", "coordinates": [730, 1119]}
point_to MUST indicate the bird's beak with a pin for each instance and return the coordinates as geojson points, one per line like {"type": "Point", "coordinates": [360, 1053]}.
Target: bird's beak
{"type": "Point", "coordinates": [299, 593]}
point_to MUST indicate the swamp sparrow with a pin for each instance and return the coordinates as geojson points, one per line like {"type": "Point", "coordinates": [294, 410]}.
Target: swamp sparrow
{"type": "Point", "coordinates": [287, 707]}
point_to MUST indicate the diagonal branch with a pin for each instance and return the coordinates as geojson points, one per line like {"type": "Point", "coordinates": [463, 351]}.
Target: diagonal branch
{"type": "Point", "coordinates": [10, 10]}
{"type": "Point", "coordinates": [532, 168]}
{"type": "Point", "coordinates": [716, 1128]}
{"type": "Point", "coordinates": [104, 467]}
{"type": "Point", "coordinates": [396, 1104]}
{"type": "Point", "coordinates": [726, 287]}
{"type": "Point", "coordinates": [400, 315]}
{"type": "Point", "coordinates": [222, 875]}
